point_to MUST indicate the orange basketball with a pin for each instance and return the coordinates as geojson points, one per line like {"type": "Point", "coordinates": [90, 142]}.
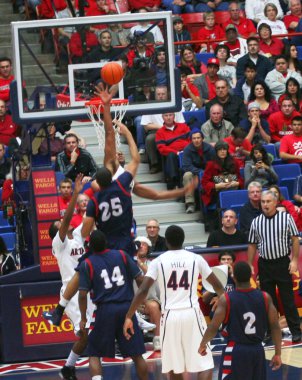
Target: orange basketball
{"type": "Point", "coordinates": [112, 73]}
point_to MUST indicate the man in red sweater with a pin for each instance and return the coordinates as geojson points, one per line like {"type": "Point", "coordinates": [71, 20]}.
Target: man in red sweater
{"type": "Point", "coordinates": [8, 129]}
{"type": "Point", "coordinates": [280, 123]}
{"type": "Point", "coordinates": [291, 20]}
{"type": "Point", "coordinates": [6, 78]}
{"type": "Point", "coordinates": [291, 145]}
{"type": "Point", "coordinates": [245, 26]}
{"type": "Point", "coordinates": [171, 139]}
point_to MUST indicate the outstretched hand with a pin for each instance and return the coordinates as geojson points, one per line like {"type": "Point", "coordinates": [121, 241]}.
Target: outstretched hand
{"type": "Point", "coordinates": [78, 183]}
{"type": "Point", "coordinates": [104, 93]}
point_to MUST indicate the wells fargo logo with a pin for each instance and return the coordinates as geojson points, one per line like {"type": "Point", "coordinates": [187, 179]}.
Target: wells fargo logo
{"type": "Point", "coordinates": [48, 263]}
{"type": "Point", "coordinates": [44, 182]}
{"type": "Point", "coordinates": [47, 208]}
{"type": "Point", "coordinates": [35, 330]}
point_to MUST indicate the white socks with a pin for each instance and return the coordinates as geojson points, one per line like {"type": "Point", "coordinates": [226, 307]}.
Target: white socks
{"type": "Point", "coordinates": [63, 302]}
{"type": "Point", "coordinates": [72, 359]}
{"type": "Point", "coordinates": [97, 377]}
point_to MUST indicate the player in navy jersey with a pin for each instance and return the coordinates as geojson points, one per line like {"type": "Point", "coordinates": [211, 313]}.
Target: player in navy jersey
{"type": "Point", "coordinates": [108, 275]}
{"type": "Point", "coordinates": [246, 313]}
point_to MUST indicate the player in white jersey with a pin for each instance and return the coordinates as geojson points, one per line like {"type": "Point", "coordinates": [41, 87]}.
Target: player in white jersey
{"type": "Point", "coordinates": [67, 247]}
{"type": "Point", "coordinates": [182, 324]}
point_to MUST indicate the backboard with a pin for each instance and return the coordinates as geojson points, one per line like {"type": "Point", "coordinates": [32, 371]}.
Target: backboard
{"type": "Point", "coordinates": [44, 90]}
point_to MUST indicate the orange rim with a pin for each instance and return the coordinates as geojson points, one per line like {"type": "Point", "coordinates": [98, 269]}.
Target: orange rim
{"type": "Point", "coordinates": [98, 101]}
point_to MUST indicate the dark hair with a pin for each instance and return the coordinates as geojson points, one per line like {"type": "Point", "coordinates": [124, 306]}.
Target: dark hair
{"type": "Point", "coordinates": [253, 38]}
{"type": "Point", "coordinates": [53, 229]}
{"type": "Point", "coordinates": [276, 187]}
{"type": "Point", "coordinates": [295, 61]}
{"type": "Point", "coordinates": [227, 165]}
{"type": "Point", "coordinates": [297, 118]}
{"type": "Point", "coordinates": [250, 65]}
{"type": "Point", "coordinates": [238, 133]}
{"type": "Point", "coordinates": [264, 26]}
{"type": "Point", "coordinates": [196, 64]}
{"type": "Point", "coordinates": [267, 91]}
{"type": "Point", "coordinates": [175, 236]}
{"type": "Point", "coordinates": [280, 56]}
{"type": "Point", "coordinates": [3, 248]}
{"type": "Point", "coordinates": [262, 150]}
{"type": "Point", "coordinates": [242, 272]}
{"type": "Point", "coordinates": [65, 180]}
{"type": "Point", "coordinates": [71, 135]}
{"type": "Point", "coordinates": [97, 242]}
{"type": "Point", "coordinates": [227, 253]}
{"type": "Point", "coordinates": [103, 177]}
{"type": "Point", "coordinates": [298, 94]}
{"type": "Point", "coordinates": [2, 59]}
{"type": "Point", "coordinates": [225, 47]}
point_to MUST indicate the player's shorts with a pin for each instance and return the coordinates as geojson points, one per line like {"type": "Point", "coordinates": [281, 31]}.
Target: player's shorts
{"type": "Point", "coordinates": [108, 327]}
{"type": "Point", "coordinates": [126, 244]}
{"type": "Point", "coordinates": [72, 311]}
{"type": "Point", "coordinates": [181, 332]}
{"type": "Point", "coordinates": [242, 361]}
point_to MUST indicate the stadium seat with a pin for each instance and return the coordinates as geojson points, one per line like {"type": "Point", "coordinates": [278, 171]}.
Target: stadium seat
{"type": "Point", "coordinates": [4, 225]}
{"type": "Point", "coordinates": [233, 199]}
{"type": "Point", "coordinates": [59, 177]}
{"type": "Point", "coordinates": [0, 197]}
{"type": "Point", "coordinates": [284, 192]}
{"type": "Point", "coordinates": [270, 148]}
{"type": "Point", "coordinates": [199, 116]}
{"type": "Point", "coordinates": [180, 156]}
{"type": "Point", "coordinates": [10, 240]}
{"type": "Point", "coordinates": [299, 49]}
{"type": "Point", "coordinates": [287, 175]}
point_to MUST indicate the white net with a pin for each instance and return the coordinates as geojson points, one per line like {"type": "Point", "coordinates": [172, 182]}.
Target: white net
{"type": "Point", "coordinates": [95, 113]}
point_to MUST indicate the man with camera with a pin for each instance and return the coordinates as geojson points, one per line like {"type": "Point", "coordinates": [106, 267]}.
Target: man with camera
{"type": "Point", "coordinates": [257, 129]}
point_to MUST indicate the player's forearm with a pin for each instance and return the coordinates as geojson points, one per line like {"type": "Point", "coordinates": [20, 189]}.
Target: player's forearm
{"type": "Point", "coordinates": [110, 148]}
{"type": "Point", "coordinates": [132, 147]}
{"type": "Point", "coordinates": [209, 335]}
{"type": "Point", "coordinates": [149, 193]}
{"type": "Point", "coordinates": [83, 303]}
{"type": "Point", "coordinates": [276, 337]}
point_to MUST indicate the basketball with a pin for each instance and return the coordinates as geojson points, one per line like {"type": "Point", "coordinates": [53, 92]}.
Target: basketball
{"type": "Point", "coordinates": [112, 73]}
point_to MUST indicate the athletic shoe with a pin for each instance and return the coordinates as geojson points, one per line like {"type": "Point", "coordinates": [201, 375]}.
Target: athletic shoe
{"type": "Point", "coordinates": [53, 317]}
{"type": "Point", "coordinates": [144, 325]}
{"type": "Point", "coordinates": [68, 373]}
{"type": "Point", "coordinates": [190, 208]}
{"type": "Point", "coordinates": [156, 343]}
{"type": "Point", "coordinates": [142, 151]}
{"type": "Point", "coordinates": [296, 338]}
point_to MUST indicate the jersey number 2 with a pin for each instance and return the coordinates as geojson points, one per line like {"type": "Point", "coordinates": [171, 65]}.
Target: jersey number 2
{"type": "Point", "coordinates": [114, 208]}
{"type": "Point", "coordinates": [249, 327]}
{"type": "Point", "coordinates": [116, 278]}
{"type": "Point", "coordinates": [183, 282]}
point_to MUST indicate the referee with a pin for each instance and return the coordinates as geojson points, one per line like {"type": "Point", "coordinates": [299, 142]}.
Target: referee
{"type": "Point", "coordinates": [272, 233]}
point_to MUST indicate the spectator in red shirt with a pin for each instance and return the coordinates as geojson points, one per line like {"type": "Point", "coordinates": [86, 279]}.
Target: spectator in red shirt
{"type": "Point", "coordinates": [239, 146]}
{"type": "Point", "coordinates": [211, 31]}
{"type": "Point", "coordinates": [82, 203]}
{"type": "Point", "coordinates": [188, 59]}
{"type": "Point", "coordinates": [291, 21]}
{"type": "Point", "coordinates": [47, 7]}
{"type": "Point", "coordinates": [150, 5]}
{"type": "Point", "coordinates": [102, 8]}
{"type": "Point", "coordinates": [237, 45]}
{"type": "Point", "coordinates": [245, 26]}
{"type": "Point", "coordinates": [65, 190]}
{"type": "Point", "coordinates": [8, 129]}
{"type": "Point", "coordinates": [291, 145]}
{"type": "Point", "coordinates": [6, 78]}
{"type": "Point", "coordinates": [269, 46]}
{"type": "Point", "coordinates": [189, 91]}
{"type": "Point", "coordinates": [280, 123]}
{"type": "Point", "coordinates": [171, 139]}
{"type": "Point", "coordinates": [77, 51]}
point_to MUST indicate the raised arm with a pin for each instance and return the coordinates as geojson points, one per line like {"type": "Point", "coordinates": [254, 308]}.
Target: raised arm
{"type": "Point", "coordinates": [135, 157]}
{"type": "Point", "coordinates": [78, 186]}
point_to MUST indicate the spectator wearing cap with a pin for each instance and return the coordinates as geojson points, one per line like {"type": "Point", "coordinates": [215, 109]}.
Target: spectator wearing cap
{"type": "Point", "coordinates": [237, 45]}
{"type": "Point", "coordinates": [206, 82]}
{"type": "Point", "coordinates": [245, 27]}
{"type": "Point", "coordinates": [254, 9]}
{"type": "Point", "coordinates": [239, 146]}
{"type": "Point", "coordinates": [262, 63]}
{"type": "Point", "coordinates": [210, 31]}
{"type": "Point", "coordinates": [244, 85]}
{"type": "Point", "coordinates": [256, 128]}
{"type": "Point", "coordinates": [210, 6]}
{"type": "Point", "coordinates": [269, 46]}
{"type": "Point", "coordinates": [220, 174]}
{"type": "Point", "coordinates": [216, 128]}
{"type": "Point", "coordinates": [195, 157]}
{"type": "Point", "coordinates": [277, 78]}
{"type": "Point", "coordinates": [234, 109]}
{"type": "Point", "coordinates": [180, 33]}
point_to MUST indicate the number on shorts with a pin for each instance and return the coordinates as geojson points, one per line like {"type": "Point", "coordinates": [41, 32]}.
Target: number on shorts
{"type": "Point", "coordinates": [251, 318]}
{"type": "Point", "coordinates": [116, 277]}
{"type": "Point", "coordinates": [183, 282]}
{"type": "Point", "coordinates": [114, 208]}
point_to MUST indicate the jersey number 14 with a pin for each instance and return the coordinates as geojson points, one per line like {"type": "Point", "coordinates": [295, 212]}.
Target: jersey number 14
{"type": "Point", "coordinates": [117, 278]}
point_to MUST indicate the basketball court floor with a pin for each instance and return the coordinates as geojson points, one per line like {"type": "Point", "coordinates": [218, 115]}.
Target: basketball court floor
{"type": "Point", "coordinates": [123, 369]}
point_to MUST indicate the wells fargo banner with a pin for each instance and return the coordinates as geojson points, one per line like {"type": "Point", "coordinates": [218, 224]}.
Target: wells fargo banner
{"type": "Point", "coordinates": [47, 211]}
{"type": "Point", "coordinates": [37, 331]}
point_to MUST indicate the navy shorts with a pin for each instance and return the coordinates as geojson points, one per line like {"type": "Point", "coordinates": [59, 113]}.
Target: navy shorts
{"type": "Point", "coordinates": [243, 361]}
{"type": "Point", "coordinates": [126, 244]}
{"type": "Point", "coordinates": [108, 327]}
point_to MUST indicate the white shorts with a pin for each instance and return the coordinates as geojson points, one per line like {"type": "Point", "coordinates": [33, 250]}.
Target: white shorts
{"type": "Point", "coordinates": [181, 332]}
{"type": "Point", "coordinates": [72, 311]}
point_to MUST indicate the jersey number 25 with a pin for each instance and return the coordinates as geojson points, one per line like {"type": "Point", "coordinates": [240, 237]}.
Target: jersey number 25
{"type": "Point", "coordinates": [114, 208]}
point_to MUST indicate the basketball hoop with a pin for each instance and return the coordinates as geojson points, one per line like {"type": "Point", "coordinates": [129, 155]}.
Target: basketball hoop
{"type": "Point", "coordinates": [95, 110]}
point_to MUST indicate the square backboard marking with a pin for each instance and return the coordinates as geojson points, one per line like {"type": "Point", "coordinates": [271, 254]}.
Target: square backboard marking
{"type": "Point", "coordinates": [84, 66]}
{"type": "Point", "coordinates": [77, 108]}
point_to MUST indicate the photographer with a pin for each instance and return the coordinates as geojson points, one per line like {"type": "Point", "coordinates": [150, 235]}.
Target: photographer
{"type": "Point", "coordinates": [140, 55]}
{"type": "Point", "coordinates": [257, 129]}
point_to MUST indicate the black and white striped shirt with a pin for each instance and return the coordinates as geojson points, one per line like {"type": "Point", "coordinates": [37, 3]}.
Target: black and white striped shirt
{"type": "Point", "coordinates": [273, 235]}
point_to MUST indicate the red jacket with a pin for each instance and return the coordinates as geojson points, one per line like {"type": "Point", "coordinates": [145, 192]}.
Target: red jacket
{"type": "Point", "coordinates": [207, 183]}
{"type": "Point", "coordinates": [46, 9]}
{"type": "Point", "coordinates": [137, 4]}
{"type": "Point", "coordinates": [75, 43]}
{"type": "Point", "coordinates": [132, 54]}
{"type": "Point", "coordinates": [8, 129]}
{"type": "Point", "coordinates": [290, 207]}
{"type": "Point", "coordinates": [168, 141]}
{"type": "Point", "coordinates": [4, 88]}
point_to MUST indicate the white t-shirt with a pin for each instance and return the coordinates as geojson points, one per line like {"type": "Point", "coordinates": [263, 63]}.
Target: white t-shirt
{"type": "Point", "coordinates": [67, 253]}
{"type": "Point", "coordinates": [278, 27]}
{"type": "Point", "coordinates": [177, 274]}
{"type": "Point", "coordinates": [158, 37]}
{"type": "Point", "coordinates": [158, 119]}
